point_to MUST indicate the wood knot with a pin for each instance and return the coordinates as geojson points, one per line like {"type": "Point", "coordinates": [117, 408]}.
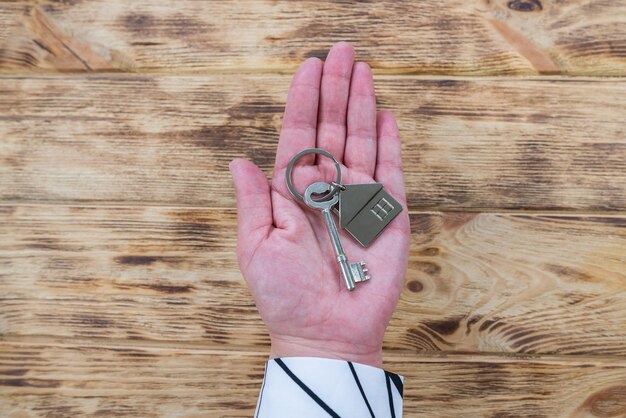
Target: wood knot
{"type": "Point", "coordinates": [609, 402]}
{"type": "Point", "coordinates": [444, 326]}
{"type": "Point", "coordinates": [415, 286]}
{"type": "Point", "coordinates": [428, 267]}
{"type": "Point", "coordinates": [430, 251]}
{"type": "Point", "coordinates": [525, 5]}
{"type": "Point", "coordinates": [138, 20]}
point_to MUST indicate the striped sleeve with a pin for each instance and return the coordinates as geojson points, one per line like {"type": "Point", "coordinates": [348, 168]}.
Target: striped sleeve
{"type": "Point", "coordinates": [308, 387]}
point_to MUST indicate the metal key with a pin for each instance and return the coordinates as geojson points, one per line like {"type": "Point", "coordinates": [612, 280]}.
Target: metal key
{"type": "Point", "coordinates": [352, 272]}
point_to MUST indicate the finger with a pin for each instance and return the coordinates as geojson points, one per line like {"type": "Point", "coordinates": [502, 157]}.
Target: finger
{"type": "Point", "coordinates": [254, 207]}
{"type": "Point", "coordinates": [300, 120]}
{"type": "Point", "coordinates": [335, 87]}
{"type": "Point", "coordinates": [360, 153]}
{"type": "Point", "coordinates": [389, 159]}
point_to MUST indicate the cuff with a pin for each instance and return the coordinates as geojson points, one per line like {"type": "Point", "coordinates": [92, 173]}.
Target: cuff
{"type": "Point", "coordinates": [308, 387]}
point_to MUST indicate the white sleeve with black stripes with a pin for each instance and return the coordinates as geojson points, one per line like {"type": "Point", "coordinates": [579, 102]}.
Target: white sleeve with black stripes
{"type": "Point", "coordinates": [307, 387]}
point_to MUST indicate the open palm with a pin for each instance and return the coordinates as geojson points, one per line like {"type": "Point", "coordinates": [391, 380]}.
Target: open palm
{"type": "Point", "coordinates": [284, 250]}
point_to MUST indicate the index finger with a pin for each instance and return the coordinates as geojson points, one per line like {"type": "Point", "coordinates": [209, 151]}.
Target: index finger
{"type": "Point", "coordinates": [300, 121]}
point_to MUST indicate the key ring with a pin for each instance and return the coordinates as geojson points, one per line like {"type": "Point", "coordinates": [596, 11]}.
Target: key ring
{"type": "Point", "coordinates": [292, 190]}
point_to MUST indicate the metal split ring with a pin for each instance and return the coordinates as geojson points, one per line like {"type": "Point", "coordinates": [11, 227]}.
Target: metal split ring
{"type": "Point", "coordinates": [336, 185]}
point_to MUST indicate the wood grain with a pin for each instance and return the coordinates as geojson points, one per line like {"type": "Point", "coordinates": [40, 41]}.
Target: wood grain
{"type": "Point", "coordinates": [119, 288]}
{"type": "Point", "coordinates": [532, 284]}
{"type": "Point", "coordinates": [468, 144]}
{"type": "Point", "coordinates": [485, 37]}
{"type": "Point", "coordinates": [42, 380]}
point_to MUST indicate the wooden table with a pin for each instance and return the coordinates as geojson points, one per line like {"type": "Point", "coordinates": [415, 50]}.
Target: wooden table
{"type": "Point", "coordinates": [120, 293]}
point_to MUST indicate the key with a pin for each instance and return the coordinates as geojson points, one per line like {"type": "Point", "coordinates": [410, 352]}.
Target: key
{"type": "Point", "coordinates": [364, 210]}
{"type": "Point", "coordinates": [352, 272]}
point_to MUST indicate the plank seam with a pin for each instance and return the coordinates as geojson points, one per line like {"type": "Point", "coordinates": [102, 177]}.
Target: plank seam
{"type": "Point", "coordinates": [413, 211]}
{"type": "Point", "coordinates": [288, 72]}
{"type": "Point", "coordinates": [426, 357]}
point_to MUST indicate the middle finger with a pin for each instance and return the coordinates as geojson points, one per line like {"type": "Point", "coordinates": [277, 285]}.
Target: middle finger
{"type": "Point", "coordinates": [333, 103]}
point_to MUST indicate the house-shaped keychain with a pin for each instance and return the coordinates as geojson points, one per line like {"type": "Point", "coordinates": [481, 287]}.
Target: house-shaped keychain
{"type": "Point", "coordinates": [365, 210]}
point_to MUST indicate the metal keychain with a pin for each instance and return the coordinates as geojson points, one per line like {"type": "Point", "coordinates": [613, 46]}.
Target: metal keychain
{"type": "Point", "coordinates": [364, 210]}
{"type": "Point", "coordinates": [336, 184]}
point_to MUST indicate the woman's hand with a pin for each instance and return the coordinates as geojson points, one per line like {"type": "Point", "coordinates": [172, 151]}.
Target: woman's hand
{"type": "Point", "coordinates": [284, 250]}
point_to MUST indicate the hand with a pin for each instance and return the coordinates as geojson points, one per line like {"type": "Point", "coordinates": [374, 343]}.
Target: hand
{"type": "Point", "coordinates": [284, 250]}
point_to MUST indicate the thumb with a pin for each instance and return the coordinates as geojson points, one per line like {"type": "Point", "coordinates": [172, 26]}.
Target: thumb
{"type": "Point", "coordinates": [254, 207]}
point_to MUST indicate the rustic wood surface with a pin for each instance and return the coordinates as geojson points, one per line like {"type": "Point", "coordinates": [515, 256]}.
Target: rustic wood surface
{"type": "Point", "coordinates": [119, 288]}
{"type": "Point", "coordinates": [510, 283]}
{"type": "Point", "coordinates": [481, 37]}
{"type": "Point", "coordinates": [475, 144]}
{"type": "Point", "coordinates": [80, 379]}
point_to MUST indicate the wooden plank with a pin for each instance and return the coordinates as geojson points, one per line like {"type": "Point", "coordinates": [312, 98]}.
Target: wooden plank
{"type": "Point", "coordinates": [443, 37]}
{"type": "Point", "coordinates": [471, 144]}
{"type": "Point", "coordinates": [510, 283]}
{"type": "Point", "coordinates": [41, 380]}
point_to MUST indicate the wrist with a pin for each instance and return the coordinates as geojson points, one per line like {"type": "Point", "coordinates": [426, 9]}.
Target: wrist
{"type": "Point", "coordinates": [287, 346]}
